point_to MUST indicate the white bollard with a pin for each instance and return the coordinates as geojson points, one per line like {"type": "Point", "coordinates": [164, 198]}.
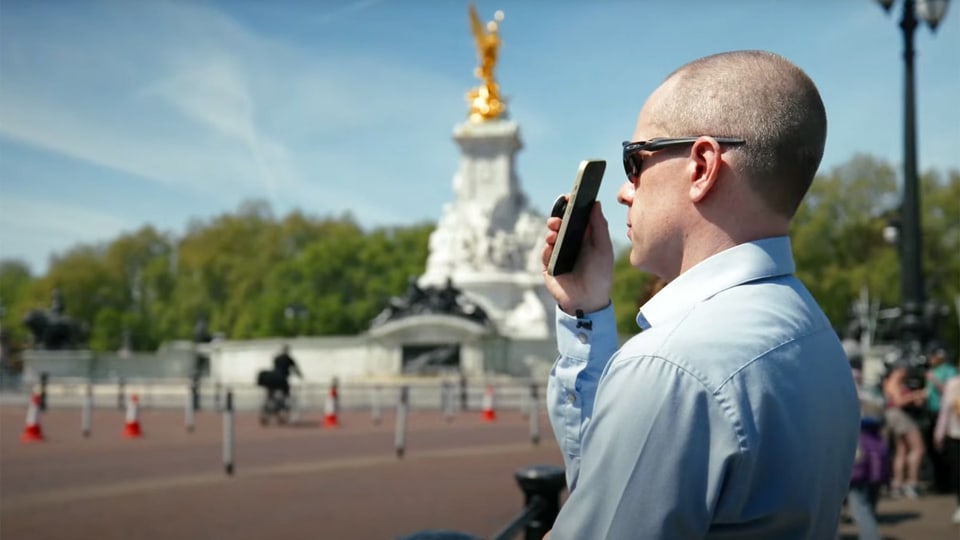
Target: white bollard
{"type": "Point", "coordinates": [228, 464]}
{"type": "Point", "coordinates": [534, 415]}
{"type": "Point", "coordinates": [376, 414]}
{"type": "Point", "coordinates": [295, 392]}
{"type": "Point", "coordinates": [188, 417]}
{"type": "Point", "coordinates": [525, 404]}
{"type": "Point", "coordinates": [86, 414]}
{"type": "Point", "coordinates": [448, 409]}
{"type": "Point", "coordinates": [401, 435]}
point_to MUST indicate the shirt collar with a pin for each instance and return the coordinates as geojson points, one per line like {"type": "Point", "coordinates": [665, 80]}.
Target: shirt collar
{"type": "Point", "coordinates": [740, 264]}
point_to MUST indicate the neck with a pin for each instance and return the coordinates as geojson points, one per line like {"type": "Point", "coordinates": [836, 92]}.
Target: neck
{"type": "Point", "coordinates": [711, 239]}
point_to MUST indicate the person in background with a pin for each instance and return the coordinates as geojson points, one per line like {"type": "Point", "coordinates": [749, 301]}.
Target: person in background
{"type": "Point", "coordinates": [871, 465]}
{"type": "Point", "coordinates": [938, 372]}
{"type": "Point", "coordinates": [946, 435]}
{"type": "Point", "coordinates": [284, 365]}
{"type": "Point", "coordinates": [909, 447]}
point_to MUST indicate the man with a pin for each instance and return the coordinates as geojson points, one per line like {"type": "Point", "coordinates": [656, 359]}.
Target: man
{"type": "Point", "coordinates": [733, 414]}
{"type": "Point", "coordinates": [283, 366]}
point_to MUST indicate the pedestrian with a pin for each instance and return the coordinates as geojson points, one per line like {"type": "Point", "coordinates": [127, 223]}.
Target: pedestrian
{"type": "Point", "coordinates": [733, 413]}
{"type": "Point", "coordinates": [939, 371]}
{"type": "Point", "coordinates": [871, 466]}
{"type": "Point", "coordinates": [908, 442]}
{"type": "Point", "coordinates": [284, 365]}
{"type": "Point", "coordinates": [946, 436]}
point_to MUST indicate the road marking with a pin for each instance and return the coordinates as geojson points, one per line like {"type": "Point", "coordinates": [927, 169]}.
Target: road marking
{"type": "Point", "coordinates": [152, 485]}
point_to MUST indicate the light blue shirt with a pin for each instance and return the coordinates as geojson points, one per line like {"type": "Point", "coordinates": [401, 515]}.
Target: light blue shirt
{"type": "Point", "coordinates": [733, 414]}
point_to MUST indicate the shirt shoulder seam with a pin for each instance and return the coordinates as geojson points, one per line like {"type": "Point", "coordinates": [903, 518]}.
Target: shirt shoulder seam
{"type": "Point", "coordinates": [721, 401]}
{"type": "Point", "coordinates": [752, 361]}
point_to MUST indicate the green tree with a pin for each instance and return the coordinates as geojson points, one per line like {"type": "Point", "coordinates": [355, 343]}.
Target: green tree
{"type": "Point", "coordinates": [247, 272]}
{"type": "Point", "coordinates": [839, 245]}
{"type": "Point", "coordinates": [15, 285]}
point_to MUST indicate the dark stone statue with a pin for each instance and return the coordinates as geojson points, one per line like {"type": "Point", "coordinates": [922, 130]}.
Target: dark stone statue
{"type": "Point", "coordinates": [53, 328]}
{"type": "Point", "coordinates": [447, 300]}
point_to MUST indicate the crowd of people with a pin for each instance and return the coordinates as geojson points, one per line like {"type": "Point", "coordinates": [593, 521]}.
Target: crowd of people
{"type": "Point", "coordinates": [910, 434]}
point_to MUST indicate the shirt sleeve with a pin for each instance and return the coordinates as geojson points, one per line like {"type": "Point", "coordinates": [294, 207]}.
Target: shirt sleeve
{"type": "Point", "coordinates": [655, 457]}
{"type": "Point", "coordinates": [585, 345]}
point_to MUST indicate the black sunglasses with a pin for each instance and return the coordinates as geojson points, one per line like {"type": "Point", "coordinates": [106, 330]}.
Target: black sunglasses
{"type": "Point", "coordinates": [632, 160]}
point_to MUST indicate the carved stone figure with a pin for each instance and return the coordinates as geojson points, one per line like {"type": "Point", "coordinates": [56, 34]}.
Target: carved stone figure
{"type": "Point", "coordinates": [446, 300]}
{"type": "Point", "coordinates": [53, 329]}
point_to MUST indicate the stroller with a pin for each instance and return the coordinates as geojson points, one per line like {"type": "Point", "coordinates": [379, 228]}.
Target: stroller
{"type": "Point", "coordinates": [276, 402]}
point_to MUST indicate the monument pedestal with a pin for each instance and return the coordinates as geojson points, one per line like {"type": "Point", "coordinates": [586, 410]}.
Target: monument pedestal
{"type": "Point", "coordinates": [488, 242]}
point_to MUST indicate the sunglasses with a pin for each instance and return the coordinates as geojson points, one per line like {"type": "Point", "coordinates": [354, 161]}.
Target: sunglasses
{"type": "Point", "coordinates": [633, 161]}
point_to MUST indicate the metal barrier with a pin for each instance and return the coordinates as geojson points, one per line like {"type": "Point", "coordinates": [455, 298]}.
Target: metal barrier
{"type": "Point", "coordinates": [208, 394]}
{"type": "Point", "coordinates": [541, 486]}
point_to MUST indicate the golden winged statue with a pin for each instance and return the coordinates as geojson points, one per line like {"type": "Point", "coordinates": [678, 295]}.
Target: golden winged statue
{"type": "Point", "coordinates": [485, 102]}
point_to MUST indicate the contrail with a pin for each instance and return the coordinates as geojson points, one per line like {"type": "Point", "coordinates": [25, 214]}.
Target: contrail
{"type": "Point", "coordinates": [349, 8]}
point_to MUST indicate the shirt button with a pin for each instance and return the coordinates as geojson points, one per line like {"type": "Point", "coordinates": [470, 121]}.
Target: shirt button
{"type": "Point", "coordinates": [582, 337]}
{"type": "Point", "coordinates": [571, 397]}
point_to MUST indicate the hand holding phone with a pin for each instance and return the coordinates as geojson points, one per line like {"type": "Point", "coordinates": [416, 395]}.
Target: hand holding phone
{"type": "Point", "coordinates": [575, 215]}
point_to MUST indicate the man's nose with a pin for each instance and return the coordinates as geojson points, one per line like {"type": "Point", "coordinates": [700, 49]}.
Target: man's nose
{"type": "Point", "coordinates": [625, 194]}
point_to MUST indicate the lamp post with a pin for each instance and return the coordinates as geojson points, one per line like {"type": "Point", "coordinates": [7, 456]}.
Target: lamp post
{"type": "Point", "coordinates": [911, 266]}
{"type": "Point", "coordinates": [295, 313]}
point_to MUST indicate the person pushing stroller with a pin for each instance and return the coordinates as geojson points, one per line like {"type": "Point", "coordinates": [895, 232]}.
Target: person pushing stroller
{"type": "Point", "coordinates": [277, 386]}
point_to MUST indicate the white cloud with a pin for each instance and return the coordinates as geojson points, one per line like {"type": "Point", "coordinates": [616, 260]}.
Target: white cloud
{"type": "Point", "coordinates": [197, 102]}
{"type": "Point", "coordinates": [33, 229]}
{"type": "Point", "coordinates": [176, 163]}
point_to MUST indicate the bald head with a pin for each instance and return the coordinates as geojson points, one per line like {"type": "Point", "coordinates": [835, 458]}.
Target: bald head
{"type": "Point", "coordinates": [757, 96]}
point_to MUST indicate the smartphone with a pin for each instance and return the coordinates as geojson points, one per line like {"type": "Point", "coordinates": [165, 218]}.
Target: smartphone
{"type": "Point", "coordinates": [575, 215]}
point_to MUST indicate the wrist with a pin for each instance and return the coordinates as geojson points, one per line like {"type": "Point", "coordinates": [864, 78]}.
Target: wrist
{"type": "Point", "coordinates": [575, 309]}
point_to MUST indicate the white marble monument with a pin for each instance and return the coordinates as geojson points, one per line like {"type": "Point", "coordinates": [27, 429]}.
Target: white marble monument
{"type": "Point", "coordinates": [487, 241]}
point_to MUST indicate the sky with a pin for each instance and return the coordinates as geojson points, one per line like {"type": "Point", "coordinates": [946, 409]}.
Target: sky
{"type": "Point", "coordinates": [115, 115]}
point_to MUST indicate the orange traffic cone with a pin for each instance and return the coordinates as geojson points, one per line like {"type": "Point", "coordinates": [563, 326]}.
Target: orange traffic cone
{"type": "Point", "coordinates": [330, 410]}
{"type": "Point", "coordinates": [488, 414]}
{"type": "Point", "coordinates": [132, 429]}
{"type": "Point", "coordinates": [32, 432]}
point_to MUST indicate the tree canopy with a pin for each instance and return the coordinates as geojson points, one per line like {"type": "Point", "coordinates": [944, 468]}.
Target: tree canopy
{"type": "Point", "coordinates": [249, 274]}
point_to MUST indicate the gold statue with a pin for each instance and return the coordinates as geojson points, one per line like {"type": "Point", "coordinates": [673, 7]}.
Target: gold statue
{"type": "Point", "coordinates": [485, 102]}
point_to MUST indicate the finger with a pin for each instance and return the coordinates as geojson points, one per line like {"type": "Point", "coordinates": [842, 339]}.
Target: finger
{"type": "Point", "coordinates": [545, 257]}
{"type": "Point", "coordinates": [554, 223]}
{"type": "Point", "coordinates": [600, 232]}
{"type": "Point", "coordinates": [552, 238]}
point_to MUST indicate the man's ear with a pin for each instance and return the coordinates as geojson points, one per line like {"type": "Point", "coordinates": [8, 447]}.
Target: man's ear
{"type": "Point", "coordinates": [704, 167]}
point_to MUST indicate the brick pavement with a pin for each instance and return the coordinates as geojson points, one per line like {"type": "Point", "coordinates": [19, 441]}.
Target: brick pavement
{"type": "Point", "coordinates": [927, 518]}
{"type": "Point", "coordinates": [298, 482]}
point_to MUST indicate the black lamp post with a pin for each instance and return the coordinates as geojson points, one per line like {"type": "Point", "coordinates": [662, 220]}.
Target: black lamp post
{"type": "Point", "coordinates": [911, 266]}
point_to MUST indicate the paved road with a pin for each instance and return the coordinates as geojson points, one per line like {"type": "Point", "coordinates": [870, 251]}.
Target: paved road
{"type": "Point", "coordinates": [302, 482]}
{"type": "Point", "coordinates": [296, 482]}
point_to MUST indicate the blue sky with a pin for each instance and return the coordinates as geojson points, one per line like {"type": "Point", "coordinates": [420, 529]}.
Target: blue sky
{"type": "Point", "coordinates": [117, 114]}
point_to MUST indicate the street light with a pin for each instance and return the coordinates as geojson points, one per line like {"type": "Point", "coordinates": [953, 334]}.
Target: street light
{"type": "Point", "coordinates": [911, 274]}
{"type": "Point", "coordinates": [295, 313]}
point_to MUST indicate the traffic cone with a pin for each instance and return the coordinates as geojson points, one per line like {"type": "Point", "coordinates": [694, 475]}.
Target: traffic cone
{"type": "Point", "coordinates": [32, 432]}
{"type": "Point", "coordinates": [330, 410]}
{"type": "Point", "coordinates": [488, 414]}
{"type": "Point", "coordinates": [132, 429]}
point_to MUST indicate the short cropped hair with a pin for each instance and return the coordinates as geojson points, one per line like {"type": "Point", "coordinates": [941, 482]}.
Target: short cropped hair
{"type": "Point", "coordinates": [760, 97]}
